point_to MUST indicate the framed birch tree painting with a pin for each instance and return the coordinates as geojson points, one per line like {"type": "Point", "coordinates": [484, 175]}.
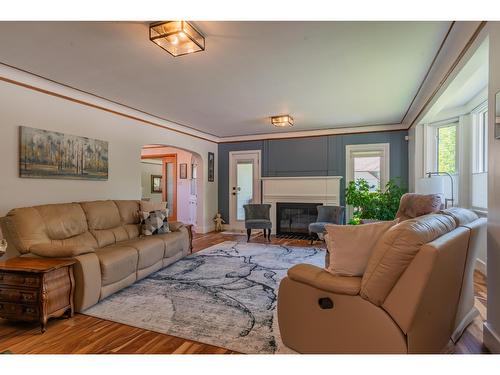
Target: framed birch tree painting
{"type": "Point", "coordinates": [47, 154]}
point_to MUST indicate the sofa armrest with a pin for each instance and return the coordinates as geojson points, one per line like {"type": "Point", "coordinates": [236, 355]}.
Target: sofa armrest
{"type": "Point", "coordinates": [60, 251]}
{"type": "Point", "coordinates": [321, 279]}
{"type": "Point", "coordinates": [175, 225]}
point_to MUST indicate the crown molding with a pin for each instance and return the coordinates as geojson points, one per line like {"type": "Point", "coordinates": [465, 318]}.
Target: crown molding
{"type": "Point", "coordinates": [315, 133]}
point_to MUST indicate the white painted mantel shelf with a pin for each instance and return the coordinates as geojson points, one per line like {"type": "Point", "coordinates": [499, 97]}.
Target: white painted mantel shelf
{"type": "Point", "coordinates": [311, 189]}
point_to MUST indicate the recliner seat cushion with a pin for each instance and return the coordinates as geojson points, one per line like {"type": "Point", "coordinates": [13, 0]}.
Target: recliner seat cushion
{"type": "Point", "coordinates": [150, 250]}
{"type": "Point", "coordinates": [317, 227]}
{"type": "Point", "coordinates": [396, 249]}
{"type": "Point", "coordinates": [117, 262]}
{"type": "Point", "coordinates": [258, 224]}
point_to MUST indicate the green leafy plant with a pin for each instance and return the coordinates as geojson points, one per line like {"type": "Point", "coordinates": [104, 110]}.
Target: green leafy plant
{"type": "Point", "coordinates": [374, 205]}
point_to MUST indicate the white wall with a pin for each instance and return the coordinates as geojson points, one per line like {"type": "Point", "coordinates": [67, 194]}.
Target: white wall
{"type": "Point", "coordinates": [27, 107]}
{"type": "Point", "coordinates": [491, 329]}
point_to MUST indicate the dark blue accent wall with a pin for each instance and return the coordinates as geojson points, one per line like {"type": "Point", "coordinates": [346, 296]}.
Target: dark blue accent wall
{"type": "Point", "coordinates": [312, 156]}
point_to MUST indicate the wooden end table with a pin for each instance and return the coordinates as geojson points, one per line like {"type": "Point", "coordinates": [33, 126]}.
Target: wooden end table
{"type": "Point", "coordinates": [35, 289]}
{"type": "Point", "coordinates": [190, 232]}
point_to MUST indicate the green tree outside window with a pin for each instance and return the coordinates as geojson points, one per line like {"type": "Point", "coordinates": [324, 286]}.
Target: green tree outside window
{"type": "Point", "coordinates": [447, 145]}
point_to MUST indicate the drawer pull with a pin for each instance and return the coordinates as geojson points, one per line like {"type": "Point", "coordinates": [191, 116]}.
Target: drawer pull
{"type": "Point", "coordinates": [27, 297]}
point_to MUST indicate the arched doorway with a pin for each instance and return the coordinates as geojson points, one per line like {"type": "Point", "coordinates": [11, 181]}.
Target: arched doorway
{"type": "Point", "coordinates": [175, 176]}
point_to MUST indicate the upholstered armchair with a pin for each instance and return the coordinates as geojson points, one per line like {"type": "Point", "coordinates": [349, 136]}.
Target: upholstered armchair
{"type": "Point", "coordinates": [257, 217]}
{"type": "Point", "coordinates": [326, 215]}
{"type": "Point", "coordinates": [414, 296]}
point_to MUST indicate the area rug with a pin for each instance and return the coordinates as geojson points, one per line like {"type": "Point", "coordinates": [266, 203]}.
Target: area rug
{"type": "Point", "coordinates": [224, 295]}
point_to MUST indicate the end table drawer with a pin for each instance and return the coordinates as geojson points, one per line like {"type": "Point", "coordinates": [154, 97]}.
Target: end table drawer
{"type": "Point", "coordinates": [19, 279]}
{"type": "Point", "coordinates": [15, 295]}
{"type": "Point", "coordinates": [20, 312]}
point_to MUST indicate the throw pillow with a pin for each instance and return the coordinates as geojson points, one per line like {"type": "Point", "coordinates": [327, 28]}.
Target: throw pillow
{"type": "Point", "coordinates": [154, 222]}
{"type": "Point", "coordinates": [350, 246]}
{"type": "Point", "coordinates": [150, 206]}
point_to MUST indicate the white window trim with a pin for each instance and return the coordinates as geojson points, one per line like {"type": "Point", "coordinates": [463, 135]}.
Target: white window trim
{"type": "Point", "coordinates": [383, 148]}
{"type": "Point", "coordinates": [432, 164]}
{"type": "Point", "coordinates": [350, 150]}
{"type": "Point", "coordinates": [476, 133]}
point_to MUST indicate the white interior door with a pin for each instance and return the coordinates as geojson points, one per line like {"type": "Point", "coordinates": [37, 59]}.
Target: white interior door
{"type": "Point", "coordinates": [244, 185]}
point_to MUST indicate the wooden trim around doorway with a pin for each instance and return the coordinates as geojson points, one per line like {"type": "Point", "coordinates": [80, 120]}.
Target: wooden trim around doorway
{"type": "Point", "coordinates": [167, 158]}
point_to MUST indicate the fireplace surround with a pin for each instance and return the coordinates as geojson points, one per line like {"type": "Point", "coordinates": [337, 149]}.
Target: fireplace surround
{"type": "Point", "coordinates": [316, 190]}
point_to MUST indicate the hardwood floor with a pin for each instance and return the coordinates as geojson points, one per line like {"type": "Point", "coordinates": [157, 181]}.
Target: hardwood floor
{"type": "Point", "coordinates": [88, 335]}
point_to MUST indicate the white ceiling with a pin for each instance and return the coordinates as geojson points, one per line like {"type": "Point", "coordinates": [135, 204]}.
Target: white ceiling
{"type": "Point", "coordinates": [325, 74]}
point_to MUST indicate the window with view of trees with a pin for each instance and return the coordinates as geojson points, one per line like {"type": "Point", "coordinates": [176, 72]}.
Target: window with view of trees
{"type": "Point", "coordinates": [447, 148]}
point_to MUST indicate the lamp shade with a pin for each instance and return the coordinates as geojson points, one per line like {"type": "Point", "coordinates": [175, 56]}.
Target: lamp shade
{"type": "Point", "coordinates": [432, 185]}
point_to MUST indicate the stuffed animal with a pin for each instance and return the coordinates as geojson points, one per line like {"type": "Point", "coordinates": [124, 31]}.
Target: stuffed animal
{"type": "Point", "coordinates": [218, 222]}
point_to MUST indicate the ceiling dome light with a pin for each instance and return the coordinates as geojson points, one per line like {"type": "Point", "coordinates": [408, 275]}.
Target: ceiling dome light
{"type": "Point", "coordinates": [177, 37]}
{"type": "Point", "coordinates": [282, 121]}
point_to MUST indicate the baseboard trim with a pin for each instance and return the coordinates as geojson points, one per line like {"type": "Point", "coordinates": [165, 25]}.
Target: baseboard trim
{"type": "Point", "coordinates": [491, 339]}
{"type": "Point", "coordinates": [204, 229]}
{"type": "Point", "coordinates": [481, 267]}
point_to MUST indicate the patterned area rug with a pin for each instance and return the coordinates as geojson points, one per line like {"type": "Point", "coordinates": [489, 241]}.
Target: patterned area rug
{"type": "Point", "coordinates": [224, 296]}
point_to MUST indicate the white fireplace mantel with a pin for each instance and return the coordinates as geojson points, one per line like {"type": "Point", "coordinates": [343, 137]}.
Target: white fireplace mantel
{"type": "Point", "coordinates": [314, 189]}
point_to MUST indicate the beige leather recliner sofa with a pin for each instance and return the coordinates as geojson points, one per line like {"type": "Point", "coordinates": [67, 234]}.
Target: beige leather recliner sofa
{"type": "Point", "coordinates": [104, 239]}
{"type": "Point", "coordinates": [416, 293]}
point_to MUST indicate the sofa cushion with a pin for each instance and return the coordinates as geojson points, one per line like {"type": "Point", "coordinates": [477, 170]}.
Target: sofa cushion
{"type": "Point", "coordinates": [129, 211]}
{"type": "Point", "coordinates": [414, 205]}
{"type": "Point", "coordinates": [396, 249]}
{"type": "Point", "coordinates": [175, 225]}
{"type": "Point", "coordinates": [57, 224]}
{"type": "Point", "coordinates": [102, 214]}
{"type": "Point", "coordinates": [130, 217]}
{"type": "Point", "coordinates": [117, 262]}
{"type": "Point", "coordinates": [462, 216]}
{"type": "Point", "coordinates": [350, 246]}
{"type": "Point", "coordinates": [63, 220]}
{"type": "Point", "coordinates": [174, 243]}
{"type": "Point", "coordinates": [105, 222]}
{"type": "Point", "coordinates": [150, 250]}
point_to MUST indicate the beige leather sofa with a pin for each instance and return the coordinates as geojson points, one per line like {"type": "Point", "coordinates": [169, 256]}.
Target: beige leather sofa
{"type": "Point", "coordinates": [102, 236]}
{"type": "Point", "coordinates": [416, 293]}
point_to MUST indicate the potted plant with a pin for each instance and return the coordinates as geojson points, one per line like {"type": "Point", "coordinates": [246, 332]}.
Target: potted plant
{"type": "Point", "coordinates": [373, 205]}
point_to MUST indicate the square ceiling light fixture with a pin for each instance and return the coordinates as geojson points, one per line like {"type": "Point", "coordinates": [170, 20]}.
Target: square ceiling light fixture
{"type": "Point", "coordinates": [282, 121]}
{"type": "Point", "coordinates": [176, 37]}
